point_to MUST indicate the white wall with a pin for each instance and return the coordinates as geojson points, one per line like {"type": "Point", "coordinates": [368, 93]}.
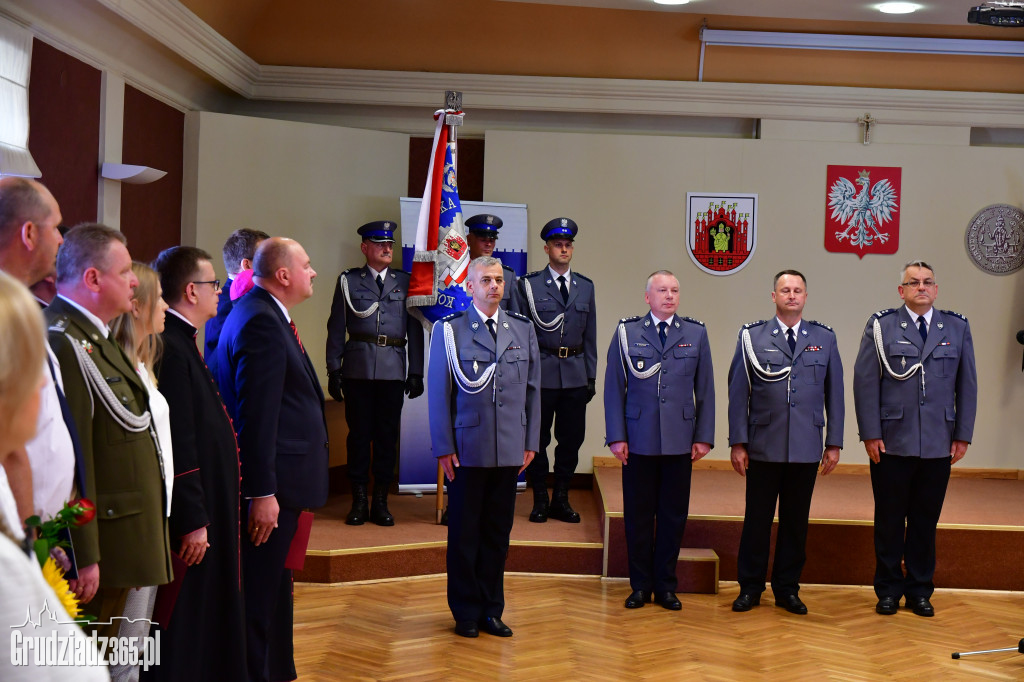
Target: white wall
{"type": "Point", "coordinates": [313, 183]}
{"type": "Point", "coordinates": [628, 193]}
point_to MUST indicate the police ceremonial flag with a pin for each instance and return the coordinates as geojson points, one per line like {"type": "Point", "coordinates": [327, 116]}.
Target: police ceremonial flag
{"type": "Point", "coordinates": [441, 259]}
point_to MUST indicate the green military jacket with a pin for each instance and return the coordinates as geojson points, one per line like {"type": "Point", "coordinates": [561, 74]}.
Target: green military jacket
{"type": "Point", "coordinates": [123, 475]}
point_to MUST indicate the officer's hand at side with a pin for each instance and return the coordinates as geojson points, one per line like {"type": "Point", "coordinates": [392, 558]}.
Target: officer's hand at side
{"type": "Point", "coordinates": [740, 458]}
{"type": "Point", "coordinates": [334, 385]}
{"type": "Point", "coordinates": [449, 463]}
{"type": "Point", "coordinates": [87, 584]}
{"type": "Point", "coordinates": [699, 450]}
{"type": "Point", "coordinates": [527, 458]}
{"type": "Point", "coordinates": [591, 389]}
{"type": "Point", "coordinates": [620, 449]}
{"type": "Point", "coordinates": [414, 386]}
{"type": "Point", "coordinates": [958, 450]}
{"type": "Point", "coordinates": [829, 460]}
{"type": "Point", "coordinates": [874, 446]}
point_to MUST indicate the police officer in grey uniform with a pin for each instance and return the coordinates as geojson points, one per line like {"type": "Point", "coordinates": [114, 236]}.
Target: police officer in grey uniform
{"type": "Point", "coordinates": [659, 412]}
{"type": "Point", "coordinates": [482, 236]}
{"type": "Point", "coordinates": [561, 304]}
{"type": "Point", "coordinates": [785, 388]}
{"type": "Point", "coordinates": [484, 405]}
{"type": "Point", "coordinates": [915, 389]}
{"type": "Point", "coordinates": [369, 366]}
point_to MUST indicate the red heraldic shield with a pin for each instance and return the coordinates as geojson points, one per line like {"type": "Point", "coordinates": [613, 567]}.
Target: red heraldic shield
{"type": "Point", "coordinates": [862, 209]}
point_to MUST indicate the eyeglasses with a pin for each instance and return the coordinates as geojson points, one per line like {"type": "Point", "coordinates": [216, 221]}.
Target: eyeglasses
{"type": "Point", "coordinates": [214, 282]}
{"type": "Point", "coordinates": [916, 283]}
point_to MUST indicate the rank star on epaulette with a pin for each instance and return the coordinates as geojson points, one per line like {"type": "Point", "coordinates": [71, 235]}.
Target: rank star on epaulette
{"type": "Point", "coordinates": [630, 319]}
{"type": "Point", "coordinates": [750, 325]}
{"type": "Point", "coordinates": [695, 321]}
{"type": "Point", "coordinates": [518, 316]}
{"type": "Point", "coordinates": [883, 313]}
{"type": "Point", "coordinates": [955, 314]}
{"type": "Point", "coordinates": [820, 324]}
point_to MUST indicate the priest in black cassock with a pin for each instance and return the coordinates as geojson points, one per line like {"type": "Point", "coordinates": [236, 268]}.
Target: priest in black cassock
{"type": "Point", "coordinates": [205, 639]}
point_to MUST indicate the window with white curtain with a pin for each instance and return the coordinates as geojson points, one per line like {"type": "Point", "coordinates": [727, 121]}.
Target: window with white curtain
{"type": "Point", "coordinates": [15, 63]}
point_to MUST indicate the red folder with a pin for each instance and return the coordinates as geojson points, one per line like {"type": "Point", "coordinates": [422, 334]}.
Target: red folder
{"type": "Point", "coordinates": [167, 595]}
{"type": "Point", "coordinates": [297, 551]}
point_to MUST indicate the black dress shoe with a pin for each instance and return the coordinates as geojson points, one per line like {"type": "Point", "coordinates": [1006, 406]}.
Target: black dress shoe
{"type": "Point", "coordinates": [637, 599]}
{"type": "Point", "coordinates": [791, 603]}
{"type": "Point", "coordinates": [746, 601]}
{"type": "Point", "coordinates": [667, 600]}
{"type": "Point", "coordinates": [921, 606]}
{"type": "Point", "coordinates": [466, 628]}
{"type": "Point", "coordinates": [492, 625]}
{"type": "Point", "coordinates": [560, 508]}
{"type": "Point", "coordinates": [887, 606]}
{"type": "Point", "coordinates": [539, 514]}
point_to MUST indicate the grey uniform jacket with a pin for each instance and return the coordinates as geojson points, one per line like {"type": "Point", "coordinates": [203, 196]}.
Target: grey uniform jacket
{"type": "Point", "coordinates": [922, 415]}
{"type": "Point", "coordinates": [578, 328]}
{"type": "Point", "coordinates": [493, 427]}
{"type": "Point", "coordinates": [666, 413]}
{"type": "Point", "coordinates": [371, 359]}
{"type": "Point", "coordinates": [782, 420]}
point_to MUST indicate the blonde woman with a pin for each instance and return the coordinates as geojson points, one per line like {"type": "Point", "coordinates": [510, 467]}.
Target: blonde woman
{"type": "Point", "coordinates": [23, 589]}
{"type": "Point", "coordinates": [138, 333]}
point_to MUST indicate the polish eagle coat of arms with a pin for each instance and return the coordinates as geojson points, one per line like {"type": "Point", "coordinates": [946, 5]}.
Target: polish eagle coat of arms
{"type": "Point", "coordinates": [862, 210]}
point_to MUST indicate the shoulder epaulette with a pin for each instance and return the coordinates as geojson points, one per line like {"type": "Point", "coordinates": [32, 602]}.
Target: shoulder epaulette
{"type": "Point", "coordinates": [819, 324]}
{"type": "Point", "coordinates": [506, 267]}
{"type": "Point", "coordinates": [452, 316]}
{"type": "Point", "coordinates": [631, 319]}
{"type": "Point", "coordinates": [883, 313]}
{"type": "Point", "coordinates": [533, 274]}
{"type": "Point", "coordinates": [751, 325]}
{"type": "Point", "coordinates": [350, 270]}
{"type": "Point", "coordinates": [954, 314]}
{"type": "Point", "coordinates": [583, 277]}
{"type": "Point", "coordinates": [518, 316]}
{"type": "Point", "coordinates": [690, 319]}
{"type": "Point", "coordinates": [59, 324]}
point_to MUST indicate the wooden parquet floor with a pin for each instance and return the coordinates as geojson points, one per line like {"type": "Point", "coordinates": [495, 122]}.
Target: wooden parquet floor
{"type": "Point", "coordinates": [569, 628]}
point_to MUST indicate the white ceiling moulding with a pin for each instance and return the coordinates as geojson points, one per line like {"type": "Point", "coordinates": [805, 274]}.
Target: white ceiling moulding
{"type": "Point", "coordinates": [855, 43]}
{"type": "Point", "coordinates": [640, 97]}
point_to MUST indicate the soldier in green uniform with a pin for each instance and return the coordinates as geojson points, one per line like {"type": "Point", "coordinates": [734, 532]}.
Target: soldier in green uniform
{"type": "Point", "coordinates": [110, 406]}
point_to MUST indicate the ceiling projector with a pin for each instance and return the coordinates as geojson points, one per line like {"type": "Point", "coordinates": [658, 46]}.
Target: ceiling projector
{"type": "Point", "coordinates": [997, 14]}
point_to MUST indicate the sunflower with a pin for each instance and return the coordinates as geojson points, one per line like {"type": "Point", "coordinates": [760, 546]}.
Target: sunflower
{"type": "Point", "coordinates": [54, 577]}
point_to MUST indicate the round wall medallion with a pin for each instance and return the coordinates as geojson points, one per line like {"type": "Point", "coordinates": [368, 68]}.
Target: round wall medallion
{"type": "Point", "coordinates": [995, 239]}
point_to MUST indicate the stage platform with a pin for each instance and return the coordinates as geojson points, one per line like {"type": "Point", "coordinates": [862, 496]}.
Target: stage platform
{"type": "Point", "coordinates": [980, 540]}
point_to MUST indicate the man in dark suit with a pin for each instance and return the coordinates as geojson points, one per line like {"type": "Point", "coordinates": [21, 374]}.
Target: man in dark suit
{"type": "Point", "coordinates": [367, 334]}
{"type": "Point", "coordinates": [109, 403]}
{"type": "Point", "coordinates": [561, 305]}
{"type": "Point", "coordinates": [659, 413]}
{"type": "Point", "coordinates": [273, 395]}
{"type": "Point", "coordinates": [484, 405]}
{"type": "Point", "coordinates": [785, 380]}
{"type": "Point", "coordinates": [913, 431]}
{"type": "Point", "coordinates": [238, 253]}
{"type": "Point", "coordinates": [207, 634]}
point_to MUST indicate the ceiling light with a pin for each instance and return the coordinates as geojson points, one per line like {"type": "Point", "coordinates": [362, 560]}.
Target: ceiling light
{"type": "Point", "coordinates": [671, 2]}
{"type": "Point", "coordinates": [898, 7]}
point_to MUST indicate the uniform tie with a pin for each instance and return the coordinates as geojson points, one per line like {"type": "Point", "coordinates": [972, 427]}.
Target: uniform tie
{"type": "Point", "coordinates": [291, 323]}
{"type": "Point", "coordinates": [492, 330]}
{"type": "Point", "coordinates": [380, 284]}
{"type": "Point", "coordinates": [791, 340]}
{"type": "Point", "coordinates": [922, 327]}
{"type": "Point", "coordinates": [662, 334]}
{"type": "Point", "coordinates": [564, 289]}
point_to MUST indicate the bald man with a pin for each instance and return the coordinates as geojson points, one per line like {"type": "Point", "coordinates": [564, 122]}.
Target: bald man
{"type": "Point", "coordinates": [274, 398]}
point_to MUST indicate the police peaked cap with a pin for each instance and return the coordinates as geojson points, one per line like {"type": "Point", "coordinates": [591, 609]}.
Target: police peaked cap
{"type": "Point", "coordinates": [379, 231]}
{"type": "Point", "coordinates": [484, 225]}
{"type": "Point", "coordinates": [559, 228]}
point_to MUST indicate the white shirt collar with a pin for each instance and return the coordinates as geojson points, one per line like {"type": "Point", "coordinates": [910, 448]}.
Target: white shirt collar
{"type": "Point", "coordinates": [927, 317]}
{"type": "Point", "coordinates": [181, 317]}
{"type": "Point", "coordinates": [555, 276]}
{"type": "Point", "coordinates": [655, 320]}
{"type": "Point", "coordinates": [484, 317]}
{"type": "Point", "coordinates": [287, 317]}
{"type": "Point", "coordinates": [89, 316]}
{"type": "Point", "coordinates": [373, 273]}
{"type": "Point", "coordinates": [783, 327]}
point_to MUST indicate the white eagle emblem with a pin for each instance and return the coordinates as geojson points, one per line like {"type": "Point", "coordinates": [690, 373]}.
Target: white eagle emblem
{"type": "Point", "coordinates": [864, 212]}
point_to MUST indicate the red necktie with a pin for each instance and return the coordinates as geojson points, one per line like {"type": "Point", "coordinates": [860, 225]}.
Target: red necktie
{"type": "Point", "coordinates": [291, 323]}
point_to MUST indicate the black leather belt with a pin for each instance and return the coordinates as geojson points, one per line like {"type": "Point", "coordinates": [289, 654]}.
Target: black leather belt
{"type": "Point", "coordinates": [378, 340]}
{"type": "Point", "coordinates": [563, 351]}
